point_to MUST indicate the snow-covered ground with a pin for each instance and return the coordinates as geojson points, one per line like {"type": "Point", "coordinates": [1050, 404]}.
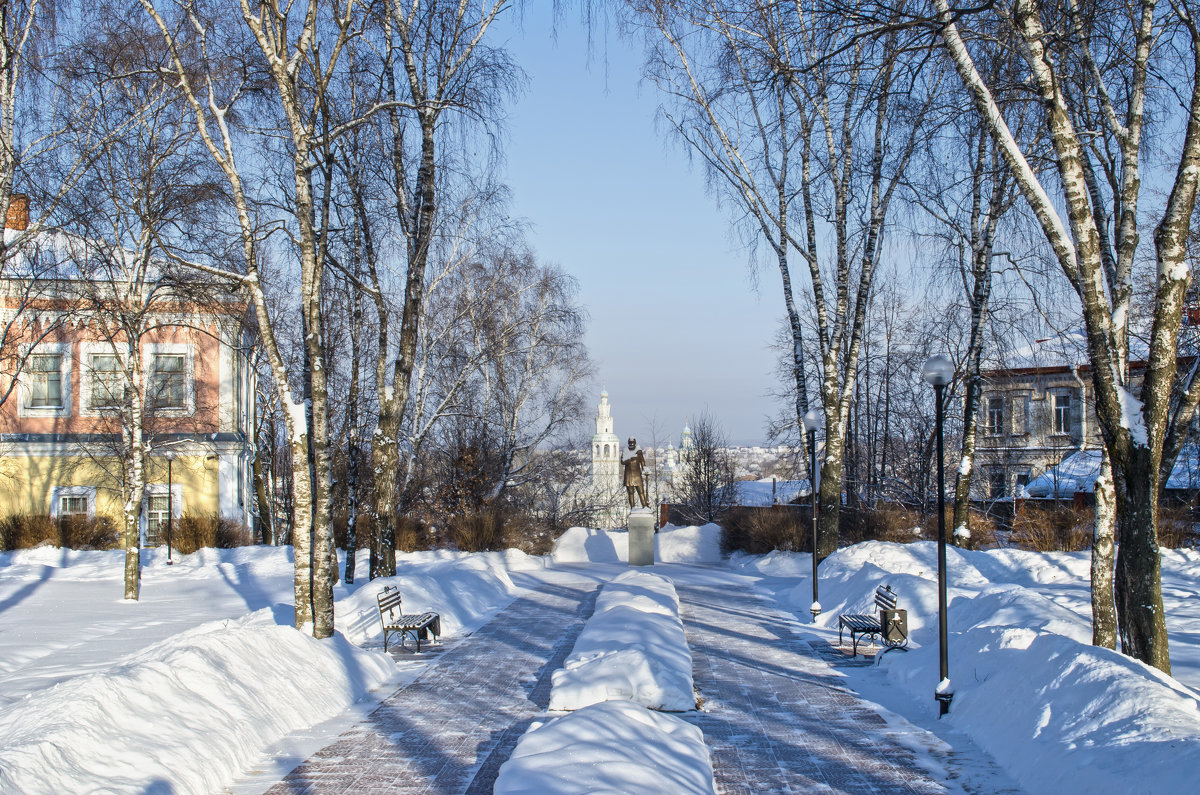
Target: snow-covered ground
{"type": "Point", "coordinates": [613, 746]}
{"type": "Point", "coordinates": [633, 648]}
{"type": "Point", "coordinates": [1059, 714]}
{"type": "Point", "coordinates": [671, 545]}
{"type": "Point", "coordinates": [186, 685]}
{"type": "Point", "coordinates": [190, 684]}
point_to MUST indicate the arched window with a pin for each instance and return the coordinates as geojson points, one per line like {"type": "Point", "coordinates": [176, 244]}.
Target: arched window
{"type": "Point", "coordinates": [597, 450]}
{"type": "Point", "coordinates": [606, 451]}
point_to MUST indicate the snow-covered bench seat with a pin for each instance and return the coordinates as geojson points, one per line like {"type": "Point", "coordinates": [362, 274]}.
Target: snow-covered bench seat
{"type": "Point", "coordinates": [888, 622]}
{"type": "Point", "coordinates": [420, 626]}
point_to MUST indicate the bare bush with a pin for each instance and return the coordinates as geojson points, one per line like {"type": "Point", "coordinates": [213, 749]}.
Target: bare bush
{"type": "Point", "coordinates": [25, 531]}
{"type": "Point", "coordinates": [197, 531]}
{"type": "Point", "coordinates": [1051, 528]}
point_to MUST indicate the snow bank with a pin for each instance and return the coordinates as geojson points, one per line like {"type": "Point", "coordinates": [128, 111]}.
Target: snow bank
{"type": "Point", "coordinates": [184, 714]}
{"type": "Point", "coordinates": [615, 746]}
{"type": "Point", "coordinates": [691, 544]}
{"type": "Point", "coordinates": [632, 648]}
{"type": "Point", "coordinates": [465, 590]}
{"type": "Point", "coordinates": [1058, 713]}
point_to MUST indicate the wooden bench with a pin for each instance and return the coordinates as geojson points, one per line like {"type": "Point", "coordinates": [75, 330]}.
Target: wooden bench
{"type": "Point", "coordinates": [888, 622]}
{"type": "Point", "coordinates": [394, 621]}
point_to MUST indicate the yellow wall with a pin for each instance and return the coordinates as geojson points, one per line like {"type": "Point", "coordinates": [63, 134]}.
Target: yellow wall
{"type": "Point", "coordinates": [25, 482]}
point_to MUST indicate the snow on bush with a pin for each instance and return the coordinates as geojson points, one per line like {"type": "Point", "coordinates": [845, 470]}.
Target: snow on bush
{"type": "Point", "coordinates": [1059, 714]}
{"type": "Point", "coordinates": [615, 746]}
{"type": "Point", "coordinates": [466, 590]}
{"type": "Point", "coordinates": [691, 544]}
{"type": "Point", "coordinates": [184, 714]}
{"type": "Point", "coordinates": [632, 648]}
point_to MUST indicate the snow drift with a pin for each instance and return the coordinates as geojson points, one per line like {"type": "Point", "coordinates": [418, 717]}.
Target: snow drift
{"type": "Point", "coordinates": [615, 746]}
{"type": "Point", "coordinates": [632, 648]}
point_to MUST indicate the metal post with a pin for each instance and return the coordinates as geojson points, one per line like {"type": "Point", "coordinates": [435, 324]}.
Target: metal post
{"type": "Point", "coordinates": [812, 476]}
{"type": "Point", "coordinates": [944, 694]}
{"type": "Point", "coordinates": [170, 507]}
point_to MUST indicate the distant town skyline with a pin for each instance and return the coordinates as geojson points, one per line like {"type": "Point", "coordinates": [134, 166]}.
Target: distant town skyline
{"type": "Point", "coordinates": [676, 325]}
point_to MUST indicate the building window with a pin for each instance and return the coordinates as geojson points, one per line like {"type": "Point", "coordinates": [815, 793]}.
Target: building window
{"type": "Point", "coordinates": [158, 507]}
{"type": "Point", "coordinates": [45, 381]}
{"type": "Point", "coordinates": [108, 381]}
{"type": "Point", "coordinates": [72, 507]}
{"type": "Point", "coordinates": [167, 381]}
{"type": "Point", "coordinates": [995, 416]}
{"type": "Point", "coordinates": [1062, 413]}
{"type": "Point", "coordinates": [996, 484]}
{"type": "Point", "coordinates": [72, 502]}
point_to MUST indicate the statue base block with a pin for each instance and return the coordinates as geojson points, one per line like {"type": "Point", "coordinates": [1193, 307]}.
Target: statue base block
{"type": "Point", "coordinates": [641, 537]}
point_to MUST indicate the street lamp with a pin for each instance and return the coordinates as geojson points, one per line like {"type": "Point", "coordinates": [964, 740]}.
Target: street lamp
{"type": "Point", "coordinates": [812, 421]}
{"type": "Point", "coordinates": [170, 456]}
{"type": "Point", "coordinates": [937, 371]}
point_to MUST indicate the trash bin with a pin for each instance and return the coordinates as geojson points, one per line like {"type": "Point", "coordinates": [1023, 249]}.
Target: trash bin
{"type": "Point", "coordinates": [894, 624]}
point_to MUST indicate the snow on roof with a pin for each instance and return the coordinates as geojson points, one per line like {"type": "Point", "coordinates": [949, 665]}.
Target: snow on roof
{"type": "Point", "coordinates": [1078, 472]}
{"type": "Point", "coordinates": [757, 493]}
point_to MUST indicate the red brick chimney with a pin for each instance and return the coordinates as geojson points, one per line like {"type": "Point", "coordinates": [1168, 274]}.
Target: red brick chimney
{"type": "Point", "coordinates": [18, 213]}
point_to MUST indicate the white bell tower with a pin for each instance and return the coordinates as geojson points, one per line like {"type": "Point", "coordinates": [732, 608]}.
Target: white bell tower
{"type": "Point", "coordinates": [606, 449]}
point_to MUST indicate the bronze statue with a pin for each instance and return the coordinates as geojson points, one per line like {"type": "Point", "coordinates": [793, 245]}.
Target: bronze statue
{"type": "Point", "coordinates": [633, 467]}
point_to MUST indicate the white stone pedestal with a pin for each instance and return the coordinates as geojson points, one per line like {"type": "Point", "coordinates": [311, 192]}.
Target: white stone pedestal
{"type": "Point", "coordinates": [641, 537]}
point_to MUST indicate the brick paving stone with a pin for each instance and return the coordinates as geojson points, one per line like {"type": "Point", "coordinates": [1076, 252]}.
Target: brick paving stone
{"type": "Point", "coordinates": [451, 729]}
{"type": "Point", "coordinates": [775, 718]}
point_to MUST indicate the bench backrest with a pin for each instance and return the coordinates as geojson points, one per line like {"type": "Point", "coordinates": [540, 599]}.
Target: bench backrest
{"type": "Point", "coordinates": [389, 601]}
{"type": "Point", "coordinates": [886, 598]}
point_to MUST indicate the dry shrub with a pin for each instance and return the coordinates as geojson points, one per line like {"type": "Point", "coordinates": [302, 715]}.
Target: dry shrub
{"type": "Point", "coordinates": [1176, 527]}
{"type": "Point", "coordinates": [25, 531]}
{"type": "Point", "coordinates": [477, 532]}
{"type": "Point", "coordinates": [1052, 528]}
{"type": "Point", "coordinates": [197, 531]}
{"type": "Point", "coordinates": [894, 523]}
{"type": "Point", "coordinates": [528, 534]}
{"type": "Point", "coordinates": [982, 528]}
{"type": "Point", "coordinates": [757, 531]}
{"type": "Point", "coordinates": [364, 530]}
{"type": "Point", "coordinates": [412, 535]}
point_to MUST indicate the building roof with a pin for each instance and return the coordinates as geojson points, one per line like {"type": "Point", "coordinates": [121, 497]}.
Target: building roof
{"type": "Point", "coordinates": [1078, 472]}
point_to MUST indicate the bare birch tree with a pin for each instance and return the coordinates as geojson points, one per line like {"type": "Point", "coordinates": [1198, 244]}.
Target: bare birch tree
{"type": "Point", "coordinates": [791, 114]}
{"type": "Point", "coordinates": [1092, 71]}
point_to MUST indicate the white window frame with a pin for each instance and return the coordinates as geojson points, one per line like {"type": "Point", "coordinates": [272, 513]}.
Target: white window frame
{"type": "Point", "coordinates": [149, 352]}
{"type": "Point", "coordinates": [996, 428]}
{"type": "Point", "coordinates": [86, 351]}
{"type": "Point", "coordinates": [160, 490]}
{"type": "Point", "coordinates": [58, 492]}
{"type": "Point", "coordinates": [24, 386]}
{"type": "Point", "coordinates": [1070, 414]}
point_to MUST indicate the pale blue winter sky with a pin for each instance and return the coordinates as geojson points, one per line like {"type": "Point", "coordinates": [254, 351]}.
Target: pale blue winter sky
{"type": "Point", "coordinates": [676, 326]}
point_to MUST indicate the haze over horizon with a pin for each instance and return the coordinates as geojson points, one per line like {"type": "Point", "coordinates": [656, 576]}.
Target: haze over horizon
{"type": "Point", "coordinates": [676, 326]}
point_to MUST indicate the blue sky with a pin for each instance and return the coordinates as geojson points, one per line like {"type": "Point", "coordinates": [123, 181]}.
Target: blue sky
{"type": "Point", "coordinates": [676, 325]}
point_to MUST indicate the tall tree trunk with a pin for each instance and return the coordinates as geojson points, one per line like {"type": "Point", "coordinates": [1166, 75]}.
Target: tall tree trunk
{"type": "Point", "coordinates": [135, 485]}
{"type": "Point", "coordinates": [1138, 590]}
{"type": "Point", "coordinates": [1104, 608]}
{"type": "Point", "coordinates": [265, 514]}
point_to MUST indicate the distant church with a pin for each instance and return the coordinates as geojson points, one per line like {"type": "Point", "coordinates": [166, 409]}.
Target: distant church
{"type": "Point", "coordinates": [606, 486]}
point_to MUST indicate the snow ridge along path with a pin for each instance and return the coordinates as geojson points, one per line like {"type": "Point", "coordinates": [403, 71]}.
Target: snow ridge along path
{"type": "Point", "coordinates": [452, 728]}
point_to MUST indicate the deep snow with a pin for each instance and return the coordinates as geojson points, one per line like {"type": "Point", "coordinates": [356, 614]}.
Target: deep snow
{"type": "Point", "coordinates": [97, 694]}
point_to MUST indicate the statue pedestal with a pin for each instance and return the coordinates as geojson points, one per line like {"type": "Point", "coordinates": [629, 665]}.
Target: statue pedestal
{"type": "Point", "coordinates": [641, 537]}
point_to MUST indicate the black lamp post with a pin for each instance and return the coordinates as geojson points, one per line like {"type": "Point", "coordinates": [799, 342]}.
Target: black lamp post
{"type": "Point", "coordinates": [812, 421]}
{"type": "Point", "coordinates": [170, 455]}
{"type": "Point", "coordinates": [937, 371]}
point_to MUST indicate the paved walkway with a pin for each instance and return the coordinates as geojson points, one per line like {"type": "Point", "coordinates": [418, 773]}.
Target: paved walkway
{"type": "Point", "coordinates": [451, 729]}
{"type": "Point", "coordinates": [775, 720]}
{"type": "Point", "coordinates": [775, 717]}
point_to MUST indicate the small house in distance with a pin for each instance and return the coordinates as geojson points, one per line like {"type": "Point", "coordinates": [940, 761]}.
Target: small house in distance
{"type": "Point", "coordinates": [67, 407]}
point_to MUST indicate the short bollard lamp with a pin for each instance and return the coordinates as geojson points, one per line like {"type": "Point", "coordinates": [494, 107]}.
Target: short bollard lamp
{"type": "Point", "coordinates": [812, 422]}
{"type": "Point", "coordinates": [938, 371]}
